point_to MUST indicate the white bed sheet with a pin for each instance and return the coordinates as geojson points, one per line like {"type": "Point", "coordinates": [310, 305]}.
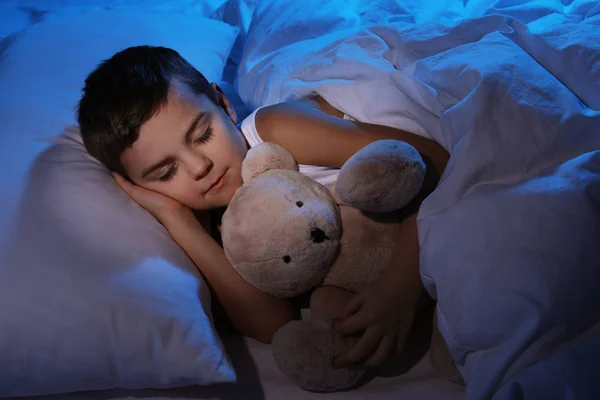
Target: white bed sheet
{"type": "Point", "coordinates": [259, 378]}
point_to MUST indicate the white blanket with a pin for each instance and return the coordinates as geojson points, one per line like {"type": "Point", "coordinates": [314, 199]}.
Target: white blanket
{"type": "Point", "coordinates": [511, 88]}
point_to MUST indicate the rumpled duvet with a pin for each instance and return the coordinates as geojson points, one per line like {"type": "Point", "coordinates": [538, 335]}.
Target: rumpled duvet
{"type": "Point", "coordinates": [510, 239]}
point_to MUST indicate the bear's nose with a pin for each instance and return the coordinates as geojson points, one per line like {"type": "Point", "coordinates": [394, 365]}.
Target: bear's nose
{"type": "Point", "coordinates": [318, 236]}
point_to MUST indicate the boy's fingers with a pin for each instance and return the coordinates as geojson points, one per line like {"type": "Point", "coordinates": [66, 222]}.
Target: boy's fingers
{"type": "Point", "coordinates": [382, 353]}
{"type": "Point", "coordinates": [366, 344]}
{"type": "Point", "coordinates": [123, 183]}
{"type": "Point", "coordinates": [118, 178]}
{"type": "Point", "coordinates": [352, 306]}
{"type": "Point", "coordinates": [350, 325]}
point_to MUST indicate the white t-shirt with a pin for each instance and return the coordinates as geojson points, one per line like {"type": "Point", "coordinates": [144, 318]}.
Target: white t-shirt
{"type": "Point", "coordinates": [324, 175]}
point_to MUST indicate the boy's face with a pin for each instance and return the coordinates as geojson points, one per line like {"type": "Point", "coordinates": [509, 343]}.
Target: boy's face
{"type": "Point", "coordinates": [190, 150]}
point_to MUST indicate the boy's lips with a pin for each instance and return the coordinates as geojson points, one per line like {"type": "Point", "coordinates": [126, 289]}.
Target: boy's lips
{"type": "Point", "coordinates": [218, 184]}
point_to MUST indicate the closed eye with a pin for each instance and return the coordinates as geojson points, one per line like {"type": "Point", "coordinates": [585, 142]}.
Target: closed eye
{"type": "Point", "coordinates": [169, 174]}
{"type": "Point", "coordinates": [206, 136]}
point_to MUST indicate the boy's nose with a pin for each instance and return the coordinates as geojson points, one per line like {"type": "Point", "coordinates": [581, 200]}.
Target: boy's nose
{"type": "Point", "coordinates": [200, 167]}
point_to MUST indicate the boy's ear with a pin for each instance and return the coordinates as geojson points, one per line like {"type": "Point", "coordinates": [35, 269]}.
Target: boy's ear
{"type": "Point", "coordinates": [224, 102]}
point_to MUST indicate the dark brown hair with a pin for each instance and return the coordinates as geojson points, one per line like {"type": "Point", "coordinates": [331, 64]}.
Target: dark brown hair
{"type": "Point", "coordinates": [125, 91]}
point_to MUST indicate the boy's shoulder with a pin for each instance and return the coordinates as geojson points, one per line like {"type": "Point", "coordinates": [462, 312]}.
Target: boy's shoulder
{"type": "Point", "coordinates": [294, 114]}
{"type": "Point", "coordinates": [300, 107]}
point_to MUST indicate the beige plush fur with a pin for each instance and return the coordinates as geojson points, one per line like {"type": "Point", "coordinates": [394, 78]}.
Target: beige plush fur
{"type": "Point", "coordinates": [286, 234]}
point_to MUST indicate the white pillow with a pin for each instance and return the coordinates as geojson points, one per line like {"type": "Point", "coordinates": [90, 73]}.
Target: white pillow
{"type": "Point", "coordinates": [18, 14]}
{"type": "Point", "coordinates": [94, 294]}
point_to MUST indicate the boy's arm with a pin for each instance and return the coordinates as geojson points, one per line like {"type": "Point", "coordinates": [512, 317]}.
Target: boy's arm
{"type": "Point", "coordinates": [252, 312]}
{"type": "Point", "coordinates": [313, 133]}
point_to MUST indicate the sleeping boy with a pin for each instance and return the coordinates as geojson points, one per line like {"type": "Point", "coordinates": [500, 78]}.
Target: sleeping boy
{"type": "Point", "coordinates": [171, 141]}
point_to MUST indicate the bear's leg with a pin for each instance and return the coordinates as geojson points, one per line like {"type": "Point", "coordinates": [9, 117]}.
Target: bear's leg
{"type": "Point", "coordinates": [304, 350]}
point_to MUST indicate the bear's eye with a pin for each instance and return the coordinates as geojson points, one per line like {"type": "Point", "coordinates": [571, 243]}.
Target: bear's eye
{"type": "Point", "coordinates": [287, 259]}
{"type": "Point", "coordinates": [299, 204]}
{"type": "Point", "coordinates": [318, 236]}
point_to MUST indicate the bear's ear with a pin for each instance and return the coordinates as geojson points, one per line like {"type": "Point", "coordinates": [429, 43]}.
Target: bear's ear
{"type": "Point", "coordinates": [264, 157]}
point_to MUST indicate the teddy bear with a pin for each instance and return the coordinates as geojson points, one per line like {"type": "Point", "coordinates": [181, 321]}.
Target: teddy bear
{"type": "Point", "coordinates": [286, 234]}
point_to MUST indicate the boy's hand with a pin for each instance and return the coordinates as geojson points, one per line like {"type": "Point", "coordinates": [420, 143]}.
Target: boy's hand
{"type": "Point", "coordinates": [383, 311]}
{"type": "Point", "coordinates": [160, 206]}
